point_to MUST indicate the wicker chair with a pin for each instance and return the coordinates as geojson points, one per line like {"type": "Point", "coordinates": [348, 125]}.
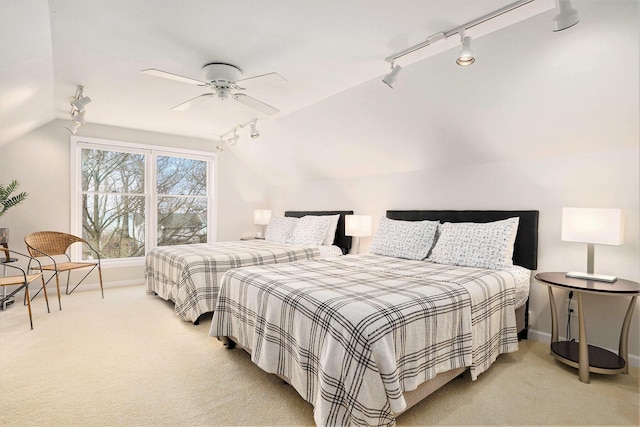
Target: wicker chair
{"type": "Point", "coordinates": [54, 246]}
{"type": "Point", "coordinates": [22, 280]}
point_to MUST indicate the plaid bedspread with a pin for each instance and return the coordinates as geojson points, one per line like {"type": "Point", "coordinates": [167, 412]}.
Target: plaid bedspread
{"type": "Point", "coordinates": [189, 274]}
{"type": "Point", "coordinates": [352, 334]}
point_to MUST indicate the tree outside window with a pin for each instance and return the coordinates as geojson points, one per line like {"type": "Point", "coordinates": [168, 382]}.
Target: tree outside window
{"type": "Point", "coordinates": [132, 200]}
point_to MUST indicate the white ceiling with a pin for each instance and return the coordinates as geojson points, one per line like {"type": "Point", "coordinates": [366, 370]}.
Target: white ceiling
{"type": "Point", "coordinates": [321, 47]}
{"type": "Point", "coordinates": [531, 93]}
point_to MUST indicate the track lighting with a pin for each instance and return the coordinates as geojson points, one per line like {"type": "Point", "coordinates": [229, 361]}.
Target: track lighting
{"type": "Point", "coordinates": [78, 103]}
{"type": "Point", "coordinates": [73, 127]}
{"type": "Point", "coordinates": [567, 16]}
{"type": "Point", "coordinates": [390, 79]}
{"type": "Point", "coordinates": [465, 57]}
{"type": "Point", "coordinates": [233, 140]}
{"type": "Point", "coordinates": [510, 14]}
{"type": "Point", "coordinates": [254, 132]}
{"type": "Point", "coordinates": [78, 118]}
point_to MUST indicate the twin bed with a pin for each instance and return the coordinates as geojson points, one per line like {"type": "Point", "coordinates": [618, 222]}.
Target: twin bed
{"type": "Point", "coordinates": [364, 337]}
{"type": "Point", "coordinates": [189, 275]}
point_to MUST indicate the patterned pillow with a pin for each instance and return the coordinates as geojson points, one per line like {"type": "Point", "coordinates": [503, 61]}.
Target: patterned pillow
{"type": "Point", "coordinates": [482, 245]}
{"type": "Point", "coordinates": [310, 230]}
{"type": "Point", "coordinates": [404, 239]}
{"type": "Point", "coordinates": [331, 231]}
{"type": "Point", "coordinates": [280, 229]}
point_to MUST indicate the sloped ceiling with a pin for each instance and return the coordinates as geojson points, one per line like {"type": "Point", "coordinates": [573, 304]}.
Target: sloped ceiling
{"type": "Point", "coordinates": [320, 47]}
{"type": "Point", "coordinates": [336, 118]}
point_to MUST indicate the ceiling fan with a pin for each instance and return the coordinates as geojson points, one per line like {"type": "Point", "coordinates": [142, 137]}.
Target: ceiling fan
{"type": "Point", "coordinates": [224, 80]}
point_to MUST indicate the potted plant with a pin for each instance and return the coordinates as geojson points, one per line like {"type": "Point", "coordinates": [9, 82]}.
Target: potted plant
{"type": "Point", "coordinates": [7, 201]}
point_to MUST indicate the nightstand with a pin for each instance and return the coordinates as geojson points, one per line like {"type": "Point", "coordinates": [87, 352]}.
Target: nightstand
{"type": "Point", "coordinates": [589, 358]}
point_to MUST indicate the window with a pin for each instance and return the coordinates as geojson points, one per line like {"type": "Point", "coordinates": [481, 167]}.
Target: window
{"type": "Point", "coordinates": [129, 198]}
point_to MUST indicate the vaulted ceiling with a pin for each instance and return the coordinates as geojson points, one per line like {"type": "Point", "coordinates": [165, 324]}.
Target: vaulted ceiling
{"type": "Point", "coordinates": [320, 47]}
{"type": "Point", "coordinates": [332, 54]}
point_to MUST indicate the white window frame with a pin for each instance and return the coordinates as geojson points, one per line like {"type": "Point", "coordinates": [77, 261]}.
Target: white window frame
{"type": "Point", "coordinates": [151, 199]}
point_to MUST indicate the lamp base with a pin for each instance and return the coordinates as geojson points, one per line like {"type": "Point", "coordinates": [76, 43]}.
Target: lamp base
{"type": "Point", "coordinates": [595, 277]}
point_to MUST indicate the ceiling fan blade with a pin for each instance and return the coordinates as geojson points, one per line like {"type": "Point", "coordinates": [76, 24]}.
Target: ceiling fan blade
{"type": "Point", "coordinates": [255, 104]}
{"type": "Point", "coordinates": [171, 76]}
{"type": "Point", "coordinates": [264, 80]}
{"type": "Point", "coordinates": [193, 101]}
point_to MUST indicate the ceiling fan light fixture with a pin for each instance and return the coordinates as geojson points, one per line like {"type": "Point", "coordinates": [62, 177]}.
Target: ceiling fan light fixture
{"type": "Point", "coordinates": [224, 80]}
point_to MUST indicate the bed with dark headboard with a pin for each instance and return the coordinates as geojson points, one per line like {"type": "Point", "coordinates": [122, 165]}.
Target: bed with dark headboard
{"type": "Point", "coordinates": [360, 336]}
{"type": "Point", "coordinates": [189, 275]}
{"type": "Point", "coordinates": [525, 252]}
{"type": "Point", "coordinates": [341, 240]}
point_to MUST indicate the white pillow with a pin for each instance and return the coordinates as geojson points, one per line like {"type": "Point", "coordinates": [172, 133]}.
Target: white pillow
{"type": "Point", "coordinates": [310, 230]}
{"type": "Point", "coordinates": [280, 229]}
{"type": "Point", "coordinates": [331, 231]}
{"type": "Point", "coordinates": [404, 239]}
{"type": "Point", "coordinates": [482, 245]}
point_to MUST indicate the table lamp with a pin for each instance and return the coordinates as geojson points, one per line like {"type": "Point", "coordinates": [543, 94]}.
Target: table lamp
{"type": "Point", "coordinates": [357, 226]}
{"type": "Point", "coordinates": [262, 217]}
{"type": "Point", "coordinates": [592, 226]}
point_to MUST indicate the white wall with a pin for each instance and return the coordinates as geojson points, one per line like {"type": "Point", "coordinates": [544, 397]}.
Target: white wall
{"type": "Point", "coordinates": [40, 161]}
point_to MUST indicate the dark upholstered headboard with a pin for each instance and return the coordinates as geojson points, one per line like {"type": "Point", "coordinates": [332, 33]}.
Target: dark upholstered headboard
{"type": "Point", "coordinates": [525, 252]}
{"type": "Point", "coordinates": [343, 241]}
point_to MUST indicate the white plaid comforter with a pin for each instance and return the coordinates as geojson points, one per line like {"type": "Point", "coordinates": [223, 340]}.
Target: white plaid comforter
{"type": "Point", "coordinates": [189, 274]}
{"type": "Point", "coordinates": [352, 334]}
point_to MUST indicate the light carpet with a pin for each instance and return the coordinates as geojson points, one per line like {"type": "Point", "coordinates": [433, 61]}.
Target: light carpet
{"type": "Point", "coordinates": [126, 360]}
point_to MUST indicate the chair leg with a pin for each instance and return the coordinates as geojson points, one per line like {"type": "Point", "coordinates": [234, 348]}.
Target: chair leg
{"type": "Point", "coordinates": [46, 298]}
{"type": "Point", "coordinates": [26, 291]}
{"type": "Point", "coordinates": [58, 288]}
{"type": "Point", "coordinates": [100, 277]}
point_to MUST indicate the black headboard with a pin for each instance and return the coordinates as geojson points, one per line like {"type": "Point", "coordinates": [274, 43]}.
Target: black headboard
{"type": "Point", "coordinates": [343, 241]}
{"type": "Point", "coordinates": [525, 251]}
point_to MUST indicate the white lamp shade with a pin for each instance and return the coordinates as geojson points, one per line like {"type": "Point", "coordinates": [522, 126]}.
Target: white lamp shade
{"type": "Point", "coordinates": [261, 216]}
{"type": "Point", "coordinates": [598, 226]}
{"type": "Point", "coordinates": [357, 225]}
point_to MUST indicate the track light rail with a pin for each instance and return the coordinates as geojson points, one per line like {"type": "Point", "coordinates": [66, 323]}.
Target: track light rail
{"type": "Point", "coordinates": [457, 30]}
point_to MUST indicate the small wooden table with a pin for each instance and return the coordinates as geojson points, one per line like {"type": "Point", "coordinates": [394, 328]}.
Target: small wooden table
{"type": "Point", "coordinates": [589, 358]}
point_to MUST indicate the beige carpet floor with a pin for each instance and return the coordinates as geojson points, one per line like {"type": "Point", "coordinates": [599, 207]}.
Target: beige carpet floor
{"type": "Point", "coordinates": [127, 360]}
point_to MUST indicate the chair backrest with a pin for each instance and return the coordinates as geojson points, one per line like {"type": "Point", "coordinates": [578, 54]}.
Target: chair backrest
{"type": "Point", "coordinates": [50, 242]}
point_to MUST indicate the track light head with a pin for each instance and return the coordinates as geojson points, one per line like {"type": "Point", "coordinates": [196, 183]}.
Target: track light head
{"type": "Point", "coordinates": [81, 103]}
{"type": "Point", "coordinates": [254, 132]}
{"type": "Point", "coordinates": [390, 79]}
{"type": "Point", "coordinates": [234, 140]}
{"type": "Point", "coordinates": [78, 118]}
{"type": "Point", "coordinates": [567, 16]}
{"type": "Point", "coordinates": [465, 57]}
{"type": "Point", "coordinates": [73, 127]}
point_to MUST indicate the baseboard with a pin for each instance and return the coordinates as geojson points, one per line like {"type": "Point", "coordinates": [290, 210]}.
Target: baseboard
{"type": "Point", "coordinates": [634, 359]}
